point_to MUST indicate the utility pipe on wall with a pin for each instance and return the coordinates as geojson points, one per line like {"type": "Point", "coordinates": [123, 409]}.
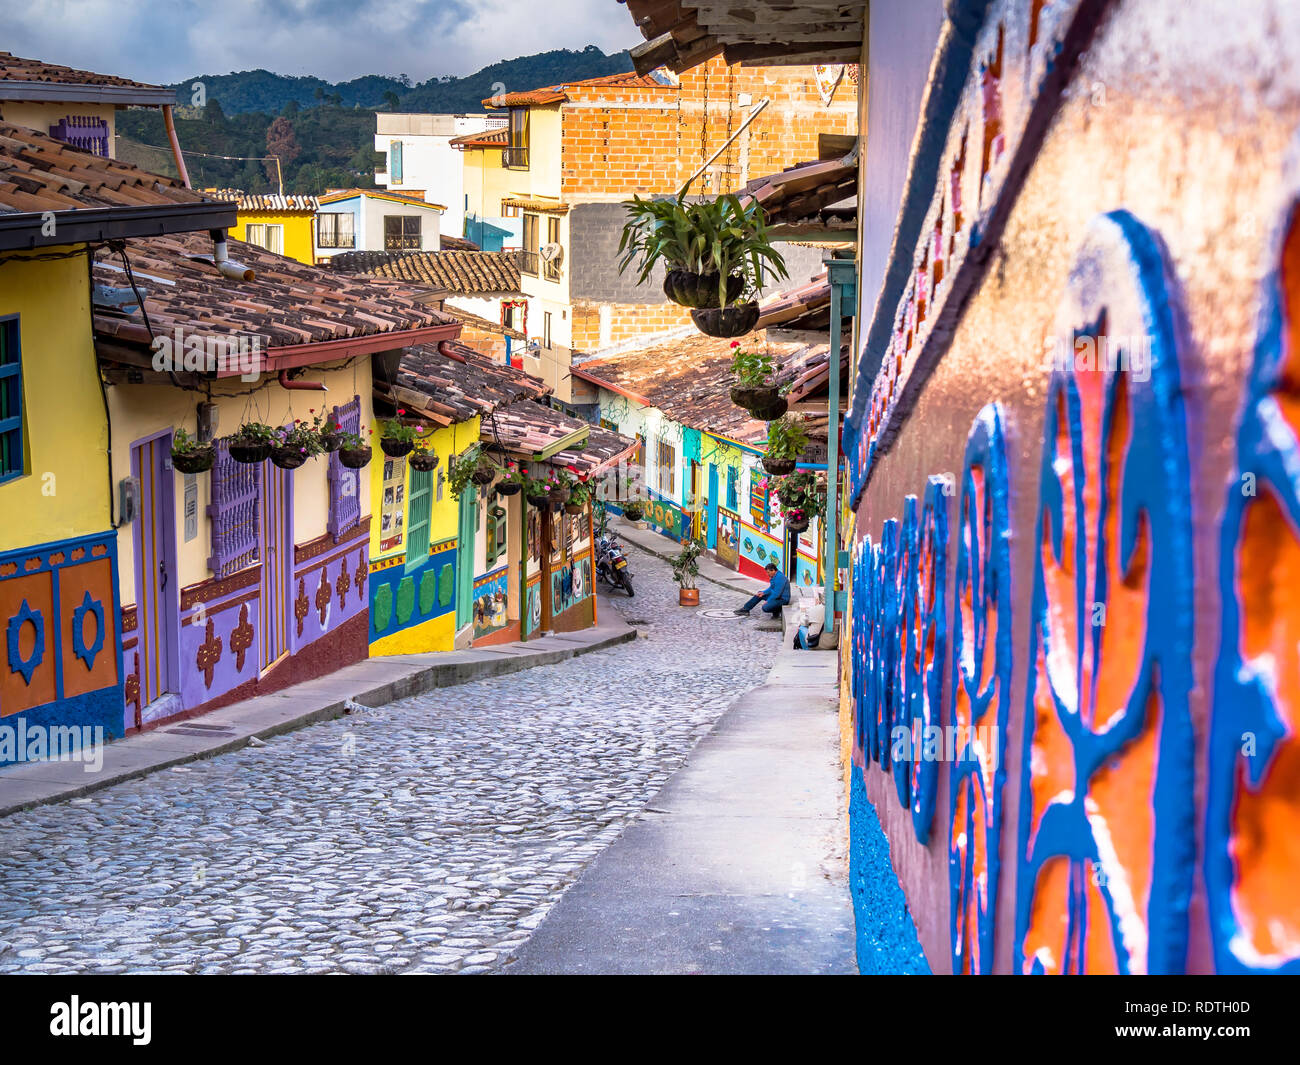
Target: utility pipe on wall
{"type": "Point", "coordinates": [300, 386]}
{"type": "Point", "coordinates": [175, 142]}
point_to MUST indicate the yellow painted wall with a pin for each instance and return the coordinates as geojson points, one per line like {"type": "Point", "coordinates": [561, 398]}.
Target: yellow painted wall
{"type": "Point", "coordinates": [297, 230]}
{"type": "Point", "coordinates": [436, 634]}
{"type": "Point", "coordinates": [65, 490]}
{"type": "Point", "coordinates": [139, 411]}
{"type": "Point", "coordinates": [487, 182]}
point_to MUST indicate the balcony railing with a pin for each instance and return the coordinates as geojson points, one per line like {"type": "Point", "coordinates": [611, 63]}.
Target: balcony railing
{"type": "Point", "coordinates": [529, 262]}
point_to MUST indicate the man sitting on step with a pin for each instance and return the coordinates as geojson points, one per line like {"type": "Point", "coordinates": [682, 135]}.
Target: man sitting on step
{"type": "Point", "coordinates": [773, 597]}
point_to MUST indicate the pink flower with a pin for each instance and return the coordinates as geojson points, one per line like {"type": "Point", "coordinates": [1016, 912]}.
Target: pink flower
{"type": "Point", "coordinates": [401, 410]}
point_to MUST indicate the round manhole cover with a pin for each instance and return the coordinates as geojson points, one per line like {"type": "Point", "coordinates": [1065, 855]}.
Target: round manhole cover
{"type": "Point", "coordinates": [719, 615]}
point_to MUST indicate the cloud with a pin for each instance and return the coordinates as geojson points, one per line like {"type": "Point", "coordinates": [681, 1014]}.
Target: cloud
{"type": "Point", "coordinates": [168, 40]}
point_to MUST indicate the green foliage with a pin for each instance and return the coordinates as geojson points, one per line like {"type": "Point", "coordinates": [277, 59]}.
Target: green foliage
{"type": "Point", "coordinates": [183, 443]}
{"type": "Point", "coordinates": [686, 566]}
{"type": "Point", "coordinates": [396, 429]}
{"type": "Point", "coordinates": [255, 433]}
{"type": "Point", "coordinates": [751, 369]}
{"type": "Point", "coordinates": [299, 437]}
{"type": "Point", "coordinates": [464, 466]}
{"type": "Point", "coordinates": [721, 235]}
{"type": "Point", "coordinates": [786, 438]}
{"type": "Point", "coordinates": [804, 490]}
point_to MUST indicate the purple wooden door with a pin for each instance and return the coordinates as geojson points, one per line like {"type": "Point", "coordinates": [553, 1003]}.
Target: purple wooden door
{"type": "Point", "coordinates": [277, 561]}
{"type": "Point", "coordinates": [157, 582]}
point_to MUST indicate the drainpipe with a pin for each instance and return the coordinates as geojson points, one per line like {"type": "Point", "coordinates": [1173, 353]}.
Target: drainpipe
{"type": "Point", "coordinates": [843, 278]}
{"type": "Point", "coordinates": [300, 386]}
{"type": "Point", "coordinates": [174, 141]}
{"type": "Point", "coordinates": [225, 265]}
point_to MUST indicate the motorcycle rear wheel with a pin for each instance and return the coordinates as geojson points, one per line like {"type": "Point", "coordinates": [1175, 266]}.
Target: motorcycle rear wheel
{"type": "Point", "coordinates": [626, 582]}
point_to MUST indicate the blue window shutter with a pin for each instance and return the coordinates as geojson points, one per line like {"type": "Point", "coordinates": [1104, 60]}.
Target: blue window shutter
{"type": "Point", "coordinates": [395, 162]}
{"type": "Point", "coordinates": [345, 484]}
{"type": "Point", "coordinates": [11, 401]}
{"type": "Point", "coordinates": [234, 513]}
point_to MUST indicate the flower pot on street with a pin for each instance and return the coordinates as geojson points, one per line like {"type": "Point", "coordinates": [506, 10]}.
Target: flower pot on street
{"type": "Point", "coordinates": [198, 459]}
{"type": "Point", "coordinates": [424, 461]}
{"type": "Point", "coordinates": [688, 597]}
{"type": "Point", "coordinates": [733, 321]}
{"type": "Point", "coordinates": [288, 458]}
{"type": "Point", "coordinates": [689, 289]}
{"type": "Point", "coordinates": [354, 458]}
{"type": "Point", "coordinates": [250, 454]}
{"type": "Point", "coordinates": [396, 448]}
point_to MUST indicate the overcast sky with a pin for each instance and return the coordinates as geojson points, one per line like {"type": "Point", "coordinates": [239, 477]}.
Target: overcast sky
{"type": "Point", "coordinates": [167, 40]}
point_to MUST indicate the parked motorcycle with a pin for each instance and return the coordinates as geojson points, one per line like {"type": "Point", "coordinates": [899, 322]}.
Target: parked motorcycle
{"type": "Point", "coordinates": [611, 564]}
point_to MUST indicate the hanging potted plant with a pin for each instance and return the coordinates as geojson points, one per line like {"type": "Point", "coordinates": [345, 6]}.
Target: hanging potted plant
{"type": "Point", "coordinates": [786, 441]}
{"type": "Point", "coordinates": [559, 485]}
{"type": "Point", "coordinates": [634, 510]}
{"type": "Point", "coordinates": [471, 465]}
{"type": "Point", "coordinates": [423, 458]}
{"type": "Point", "coordinates": [514, 480]}
{"type": "Point", "coordinates": [535, 493]}
{"type": "Point", "coordinates": [686, 568]}
{"type": "Point", "coordinates": [714, 251]}
{"type": "Point", "coordinates": [354, 452]}
{"type": "Point", "coordinates": [329, 431]}
{"type": "Point", "coordinates": [802, 496]}
{"type": "Point", "coordinates": [755, 389]}
{"type": "Point", "coordinates": [251, 442]}
{"type": "Point", "coordinates": [294, 444]}
{"type": "Point", "coordinates": [191, 456]}
{"type": "Point", "coordinates": [396, 437]}
{"type": "Point", "coordinates": [579, 497]}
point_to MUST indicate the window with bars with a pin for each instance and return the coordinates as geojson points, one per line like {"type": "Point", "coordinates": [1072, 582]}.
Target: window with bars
{"type": "Point", "coordinates": [401, 232]}
{"type": "Point", "coordinates": [345, 484]}
{"type": "Point", "coordinates": [419, 514]}
{"type": "Point", "coordinates": [516, 156]}
{"type": "Point", "coordinates": [11, 401]}
{"type": "Point", "coordinates": [336, 229]}
{"type": "Point", "coordinates": [265, 235]}
{"type": "Point", "coordinates": [530, 257]}
{"type": "Point", "coordinates": [666, 472]}
{"type": "Point", "coordinates": [234, 513]}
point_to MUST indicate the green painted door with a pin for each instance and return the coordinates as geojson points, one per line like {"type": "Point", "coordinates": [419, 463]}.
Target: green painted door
{"type": "Point", "coordinates": [465, 557]}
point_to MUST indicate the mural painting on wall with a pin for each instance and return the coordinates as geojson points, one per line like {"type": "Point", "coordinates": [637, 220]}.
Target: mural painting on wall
{"type": "Point", "coordinates": [59, 611]}
{"type": "Point", "coordinates": [729, 532]}
{"type": "Point", "coordinates": [759, 548]}
{"type": "Point", "coordinates": [979, 692]}
{"type": "Point", "coordinates": [532, 620]}
{"type": "Point", "coordinates": [534, 539]}
{"type": "Point", "coordinates": [1106, 840]}
{"type": "Point", "coordinates": [570, 584]}
{"type": "Point", "coordinates": [666, 516]}
{"type": "Point", "coordinates": [490, 598]}
{"type": "Point", "coordinates": [392, 515]}
{"type": "Point", "coordinates": [1251, 828]}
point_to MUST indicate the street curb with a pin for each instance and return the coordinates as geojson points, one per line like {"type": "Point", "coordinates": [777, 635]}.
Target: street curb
{"type": "Point", "coordinates": [666, 557]}
{"type": "Point", "coordinates": [438, 675]}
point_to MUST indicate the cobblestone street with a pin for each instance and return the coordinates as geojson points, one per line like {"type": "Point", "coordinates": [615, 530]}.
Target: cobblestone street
{"type": "Point", "coordinates": [429, 835]}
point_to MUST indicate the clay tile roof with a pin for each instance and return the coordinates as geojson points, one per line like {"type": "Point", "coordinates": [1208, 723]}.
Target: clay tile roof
{"type": "Point", "coordinates": [485, 324]}
{"type": "Point", "coordinates": [335, 195]}
{"type": "Point", "coordinates": [820, 193]}
{"type": "Point", "coordinates": [805, 307]}
{"type": "Point", "coordinates": [553, 94]}
{"type": "Point", "coordinates": [528, 203]}
{"type": "Point", "coordinates": [287, 304]}
{"type": "Point", "coordinates": [483, 138]}
{"type": "Point", "coordinates": [457, 386]}
{"type": "Point", "coordinates": [467, 273]}
{"type": "Point", "coordinates": [446, 242]}
{"type": "Point", "coordinates": [688, 377]}
{"type": "Point", "coordinates": [15, 68]}
{"type": "Point", "coordinates": [529, 428]}
{"type": "Point", "coordinates": [265, 201]}
{"type": "Point", "coordinates": [39, 173]}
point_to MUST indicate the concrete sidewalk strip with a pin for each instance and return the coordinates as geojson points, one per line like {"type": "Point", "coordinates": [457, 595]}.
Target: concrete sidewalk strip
{"type": "Point", "coordinates": [371, 682]}
{"type": "Point", "coordinates": [737, 865]}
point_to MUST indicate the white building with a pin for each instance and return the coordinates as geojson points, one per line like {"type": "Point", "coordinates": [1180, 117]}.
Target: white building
{"type": "Point", "coordinates": [421, 158]}
{"type": "Point", "coordinates": [375, 220]}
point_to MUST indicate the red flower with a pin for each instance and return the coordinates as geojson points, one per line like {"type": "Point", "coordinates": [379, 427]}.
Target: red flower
{"type": "Point", "coordinates": [401, 410]}
{"type": "Point", "coordinates": [735, 343]}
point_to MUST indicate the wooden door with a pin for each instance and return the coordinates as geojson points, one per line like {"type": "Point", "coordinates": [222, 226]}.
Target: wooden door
{"type": "Point", "coordinates": [156, 578]}
{"type": "Point", "coordinates": [277, 561]}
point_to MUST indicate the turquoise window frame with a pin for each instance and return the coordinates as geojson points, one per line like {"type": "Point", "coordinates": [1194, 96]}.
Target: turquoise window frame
{"type": "Point", "coordinates": [12, 443]}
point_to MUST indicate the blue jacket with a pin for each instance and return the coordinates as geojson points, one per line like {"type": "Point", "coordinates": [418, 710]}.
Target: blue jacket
{"type": "Point", "coordinates": [778, 590]}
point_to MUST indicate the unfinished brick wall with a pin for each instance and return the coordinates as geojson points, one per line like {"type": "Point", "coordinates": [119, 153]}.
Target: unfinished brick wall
{"type": "Point", "coordinates": [490, 343]}
{"type": "Point", "coordinates": [626, 320]}
{"type": "Point", "coordinates": [620, 140]}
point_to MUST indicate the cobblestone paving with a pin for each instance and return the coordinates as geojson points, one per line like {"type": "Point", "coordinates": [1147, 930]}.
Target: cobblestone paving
{"type": "Point", "coordinates": [429, 835]}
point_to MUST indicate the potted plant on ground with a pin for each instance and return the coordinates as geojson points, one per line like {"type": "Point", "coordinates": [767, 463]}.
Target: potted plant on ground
{"type": "Point", "coordinates": [686, 568]}
{"type": "Point", "coordinates": [191, 456]}
{"type": "Point", "coordinates": [716, 253]}
{"type": "Point", "coordinates": [251, 442]}
{"type": "Point", "coordinates": [294, 444]}
{"type": "Point", "coordinates": [755, 388]}
{"type": "Point", "coordinates": [354, 452]}
{"type": "Point", "coordinates": [396, 437]}
{"type": "Point", "coordinates": [786, 441]}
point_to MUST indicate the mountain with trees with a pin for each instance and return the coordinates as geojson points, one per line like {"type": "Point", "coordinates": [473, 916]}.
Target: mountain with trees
{"type": "Point", "coordinates": [233, 127]}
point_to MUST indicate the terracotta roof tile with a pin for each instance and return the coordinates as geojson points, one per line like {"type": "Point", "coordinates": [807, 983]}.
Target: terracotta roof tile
{"type": "Point", "coordinates": [483, 138]}
{"type": "Point", "coordinates": [486, 324]}
{"type": "Point", "coordinates": [335, 195]}
{"type": "Point", "coordinates": [287, 304]}
{"type": "Point", "coordinates": [822, 192]}
{"type": "Point", "coordinates": [457, 386]}
{"type": "Point", "coordinates": [15, 68]}
{"type": "Point", "coordinates": [446, 242]}
{"type": "Point", "coordinates": [265, 201]}
{"type": "Point", "coordinates": [552, 94]}
{"type": "Point", "coordinates": [528, 428]}
{"type": "Point", "coordinates": [477, 273]}
{"type": "Point", "coordinates": [39, 173]}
